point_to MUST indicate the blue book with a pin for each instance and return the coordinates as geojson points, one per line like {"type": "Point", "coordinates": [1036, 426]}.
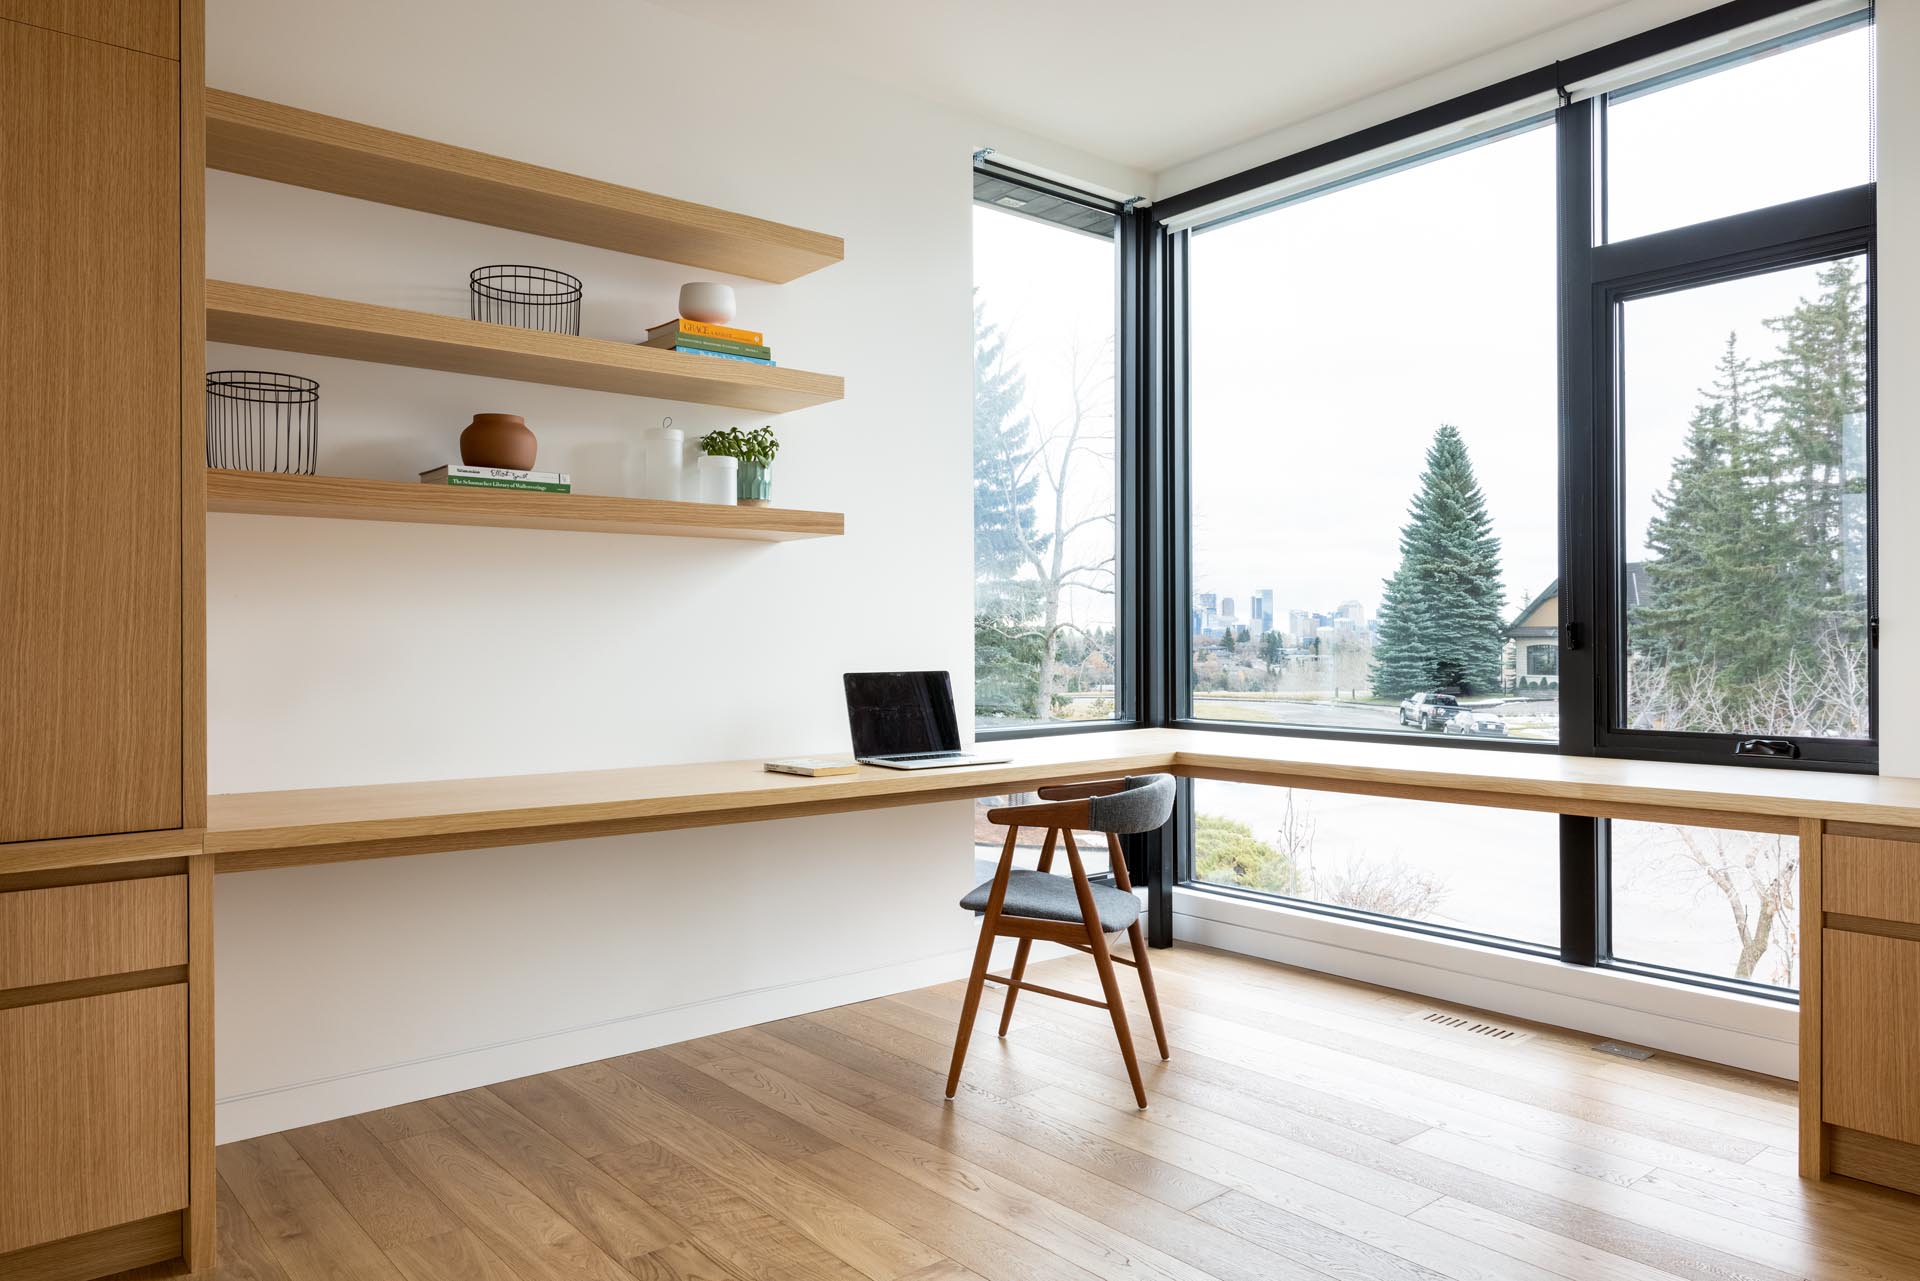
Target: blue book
{"type": "Point", "coordinates": [722, 355]}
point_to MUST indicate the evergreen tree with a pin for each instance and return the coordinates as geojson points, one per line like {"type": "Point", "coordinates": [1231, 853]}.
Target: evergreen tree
{"type": "Point", "coordinates": [1716, 593]}
{"type": "Point", "coordinates": [1270, 650]}
{"type": "Point", "coordinates": [1442, 616]}
{"type": "Point", "coordinates": [1816, 392]}
{"type": "Point", "coordinates": [1758, 542]}
{"type": "Point", "coordinates": [1006, 645]}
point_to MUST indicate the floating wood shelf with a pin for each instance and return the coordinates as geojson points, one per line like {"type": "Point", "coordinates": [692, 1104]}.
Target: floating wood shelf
{"type": "Point", "coordinates": [343, 498]}
{"type": "Point", "coordinates": [286, 144]}
{"type": "Point", "coordinates": [256, 317]}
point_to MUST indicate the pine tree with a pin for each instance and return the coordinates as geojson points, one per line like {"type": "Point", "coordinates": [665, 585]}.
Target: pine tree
{"type": "Point", "coordinates": [1758, 543]}
{"type": "Point", "coordinates": [1716, 594]}
{"type": "Point", "coordinates": [1442, 616]}
{"type": "Point", "coordinates": [1006, 645]}
{"type": "Point", "coordinates": [1270, 649]}
{"type": "Point", "coordinates": [1816, 393]}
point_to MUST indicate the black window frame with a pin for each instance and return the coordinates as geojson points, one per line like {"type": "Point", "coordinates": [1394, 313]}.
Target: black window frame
{"type": "Point", "coordinates": [1594, 278]}
{"type": "Point", "coordinates": [1133, 597]}
{"type": "Point", "coordinates": [1594, 286]}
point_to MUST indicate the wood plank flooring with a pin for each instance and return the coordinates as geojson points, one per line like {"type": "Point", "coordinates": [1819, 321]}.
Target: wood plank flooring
{"type": "Point", "coordinates": [1307, 1128]}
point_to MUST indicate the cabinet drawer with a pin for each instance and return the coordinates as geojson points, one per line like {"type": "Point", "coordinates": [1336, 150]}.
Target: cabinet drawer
{"type": "Point", "coordinates": [1870, 1033]}
{"type": "Point", "coordinates": [86, 931]}
{"type": "Point", "coordinates": [1866, 876]}
{"type": "Point", "coordinates": [93, 1104]}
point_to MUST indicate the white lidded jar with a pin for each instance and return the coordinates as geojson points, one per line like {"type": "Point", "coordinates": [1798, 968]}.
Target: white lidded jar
{"type": "Point", "coordinates": [719, 479]}
{"type": "Point", "coordinates": [661, 462]}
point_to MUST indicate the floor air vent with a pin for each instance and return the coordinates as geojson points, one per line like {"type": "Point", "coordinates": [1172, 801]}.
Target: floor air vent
{"type": "Point", "coordinates": [1457, 1023]}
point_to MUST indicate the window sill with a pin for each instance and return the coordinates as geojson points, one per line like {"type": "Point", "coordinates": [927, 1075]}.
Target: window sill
{"type": "Point", "coordinates": [1741, 1031]}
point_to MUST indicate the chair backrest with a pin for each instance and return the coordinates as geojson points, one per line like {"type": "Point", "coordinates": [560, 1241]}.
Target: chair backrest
{"type": "Point", "coordinates": [1146, 803]}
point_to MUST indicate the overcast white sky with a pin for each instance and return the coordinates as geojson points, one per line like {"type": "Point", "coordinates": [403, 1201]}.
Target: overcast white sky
{"type": "Point", "coordinates": [1333, 336]}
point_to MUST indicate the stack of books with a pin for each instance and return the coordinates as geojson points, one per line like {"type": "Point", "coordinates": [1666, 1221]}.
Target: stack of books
{"type": "Point", "coordinates": [545, 482]}
{"type": "Point", "coordinates": [697, 338]}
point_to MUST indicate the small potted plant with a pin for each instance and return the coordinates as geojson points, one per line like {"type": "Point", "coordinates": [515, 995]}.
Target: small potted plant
{"type": "Point", "coordinates": [755, 450]}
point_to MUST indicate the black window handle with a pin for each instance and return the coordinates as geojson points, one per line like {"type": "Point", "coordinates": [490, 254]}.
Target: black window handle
{"type": "Point", "coordinates": [1772, 748]}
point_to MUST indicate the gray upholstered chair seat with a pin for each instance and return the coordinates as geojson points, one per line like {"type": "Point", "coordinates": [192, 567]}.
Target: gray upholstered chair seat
{"type": "Point", "coordinates": [1052, 898]}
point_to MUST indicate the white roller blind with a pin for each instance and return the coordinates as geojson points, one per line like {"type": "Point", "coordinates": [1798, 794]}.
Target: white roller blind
{"type": "Point", "coordinates": [1727, 44]}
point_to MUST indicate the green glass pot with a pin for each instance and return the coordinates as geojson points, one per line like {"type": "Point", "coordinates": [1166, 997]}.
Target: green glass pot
{"type": "Point", "coordinates": [756, 484]}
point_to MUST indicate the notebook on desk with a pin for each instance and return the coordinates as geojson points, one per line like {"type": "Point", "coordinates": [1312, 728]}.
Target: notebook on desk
{"type": "Point", "coordinates": [905, 720]}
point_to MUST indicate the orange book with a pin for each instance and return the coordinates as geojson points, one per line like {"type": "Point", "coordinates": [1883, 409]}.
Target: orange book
{"type": "Point", "coordinates": [700, 329]}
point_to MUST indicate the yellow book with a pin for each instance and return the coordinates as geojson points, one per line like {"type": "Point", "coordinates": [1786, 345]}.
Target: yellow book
{"type": "Point", "coordinates": [700, 329]}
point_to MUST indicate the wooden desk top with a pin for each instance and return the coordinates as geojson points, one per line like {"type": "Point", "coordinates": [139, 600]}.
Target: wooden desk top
{"type": "Point", "coordinates": [280, 829]}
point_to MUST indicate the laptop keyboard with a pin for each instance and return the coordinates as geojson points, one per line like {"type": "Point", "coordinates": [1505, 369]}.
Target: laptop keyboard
{"type": "Point", "coordinates": [921, 756]}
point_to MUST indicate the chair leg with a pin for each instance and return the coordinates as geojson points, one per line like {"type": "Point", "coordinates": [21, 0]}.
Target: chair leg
{"type": "Point", "coordinates": [1103, 961]}
{"type": "Point", "coordinates": [1013, 988]}
{"type": "Point", "coordinates": [975, 983]}
{"type": "Point", "coordinates": [1139, 944]}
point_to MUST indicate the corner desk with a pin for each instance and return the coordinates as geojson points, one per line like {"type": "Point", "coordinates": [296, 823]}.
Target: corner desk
{"type": "Point", "coordinates": [106, 943]}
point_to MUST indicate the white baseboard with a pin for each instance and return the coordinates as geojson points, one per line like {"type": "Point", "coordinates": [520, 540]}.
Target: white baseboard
{"type": "Point", "coordinates": [1741, 1031]}
{"type": "Point", "coordinates": [244, 1116]}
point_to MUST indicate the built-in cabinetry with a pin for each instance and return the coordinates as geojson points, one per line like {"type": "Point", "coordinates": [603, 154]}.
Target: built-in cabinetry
{"type": "Point", "coordinates": [1860, 1061]}
{"type": "Point", "coordinates": [105, 1003]}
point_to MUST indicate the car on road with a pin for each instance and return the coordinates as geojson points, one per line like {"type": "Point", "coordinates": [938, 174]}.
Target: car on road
{"type": "Point", "coordinates": [1428, 711]}
{"type": "Point", "coordinates": [1480, 724]}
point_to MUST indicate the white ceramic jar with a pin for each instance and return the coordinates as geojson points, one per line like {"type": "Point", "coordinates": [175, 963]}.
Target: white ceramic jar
{"type": "Point", "coordinates": [719, 480]}
{"type": "Point", "coordinates": [706, 301]}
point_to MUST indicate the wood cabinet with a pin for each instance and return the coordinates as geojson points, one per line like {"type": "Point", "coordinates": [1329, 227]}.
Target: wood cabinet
{"type": "Point", "coordinates": [151, 26]}
{"type": "Point", "coordinates": [97, 697]}
{"type": "Point", "coordinates": [1873, 1033]}
{"type": "Point", "coordinates": [1860, 1006]}
{"type": "Point", "coordinates": [93, 1101]}
{"type": "Point", "coordinates": [105, 973]}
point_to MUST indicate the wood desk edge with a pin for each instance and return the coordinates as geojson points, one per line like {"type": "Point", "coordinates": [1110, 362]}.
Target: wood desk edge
{"type": "Point", "coordinates": [252, 830]}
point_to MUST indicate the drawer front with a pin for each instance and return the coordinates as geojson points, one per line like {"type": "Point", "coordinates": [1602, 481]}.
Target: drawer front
{"type": "Point", "coordinates": [1870, 1030]}
{"type": "Point", "coordinates": [1865, 876]}
{"type": "Point", "coordinates": [85, 931]}
{"type": "Point", "coordinates": [93, 1104]}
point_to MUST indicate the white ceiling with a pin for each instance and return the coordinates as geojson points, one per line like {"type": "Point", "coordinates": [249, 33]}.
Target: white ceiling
{"type": "Point", "coordinates": [1137, 83]}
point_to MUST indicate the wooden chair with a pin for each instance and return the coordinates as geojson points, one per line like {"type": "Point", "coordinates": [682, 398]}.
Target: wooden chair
{"type": "Point", "coordinates": [1071, 910]}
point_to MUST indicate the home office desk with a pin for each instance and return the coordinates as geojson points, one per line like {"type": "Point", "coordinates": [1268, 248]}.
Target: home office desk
{"type": "Point", "coordinates": [1867, 828]}
{"type": "Point", "coordinates": [1860, 876]}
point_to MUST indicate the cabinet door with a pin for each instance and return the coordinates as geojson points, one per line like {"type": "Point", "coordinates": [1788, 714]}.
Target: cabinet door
{"type": "Point", "coordinates": [93, 1104]}
{"type": "Point", "coordinates": [1870, 1009]}
{"type": "Point", "coordinates": [90, 359]}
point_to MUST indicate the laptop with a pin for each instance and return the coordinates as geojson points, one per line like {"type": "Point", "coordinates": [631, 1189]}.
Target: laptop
{"type": "Point", "coordinates": [905, 720]}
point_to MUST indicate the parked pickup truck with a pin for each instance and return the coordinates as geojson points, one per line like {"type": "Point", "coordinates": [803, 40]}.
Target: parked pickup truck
{"type": "Point", "coordinates": [1428, 711]}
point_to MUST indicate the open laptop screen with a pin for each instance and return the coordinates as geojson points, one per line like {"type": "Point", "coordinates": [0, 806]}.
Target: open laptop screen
{"type": "Point", "coordinates": [895, 713]}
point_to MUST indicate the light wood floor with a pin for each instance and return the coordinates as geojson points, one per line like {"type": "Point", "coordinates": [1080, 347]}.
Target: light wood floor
{"type": "Point", "coordinates": [1306, 1128]}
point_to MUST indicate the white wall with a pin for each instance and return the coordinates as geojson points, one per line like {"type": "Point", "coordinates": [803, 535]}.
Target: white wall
{"type": "Point", "coordinates": [343, 653]}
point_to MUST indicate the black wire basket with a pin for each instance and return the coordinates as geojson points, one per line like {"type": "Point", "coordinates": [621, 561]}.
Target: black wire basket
{"type": "Point", "coordinates": [542, 298]}
{"type": "Point", "coordinates": [260, 421]}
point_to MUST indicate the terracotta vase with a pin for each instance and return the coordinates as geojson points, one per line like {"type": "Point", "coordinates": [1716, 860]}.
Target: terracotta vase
{"type": "Point", "coordinates": [498, 440]}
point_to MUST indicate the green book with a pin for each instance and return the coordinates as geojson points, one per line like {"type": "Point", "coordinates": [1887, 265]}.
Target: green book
{"type": "Point", "coordinates": [726, 346]}
{"type": "Point", "coordinates": [542, 487]}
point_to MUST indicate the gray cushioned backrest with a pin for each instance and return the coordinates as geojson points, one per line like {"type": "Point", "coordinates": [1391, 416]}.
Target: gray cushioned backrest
{"type": "Point", "coordinates": [1144, 806]}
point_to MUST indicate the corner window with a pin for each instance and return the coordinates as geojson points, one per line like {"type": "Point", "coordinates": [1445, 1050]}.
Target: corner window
{"type": "Point", "coordinates": [1045, 482]}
